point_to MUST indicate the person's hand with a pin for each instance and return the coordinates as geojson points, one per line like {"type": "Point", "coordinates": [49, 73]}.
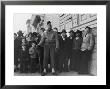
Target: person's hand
{"type": "Point", "coordinates": [82, 49]}
{"type": "Point", "coordinates": [89, 48]}
{"type": "Point", "coordinates": [37, 46]}
{"type": "Point", "coordinates": [56, 49]}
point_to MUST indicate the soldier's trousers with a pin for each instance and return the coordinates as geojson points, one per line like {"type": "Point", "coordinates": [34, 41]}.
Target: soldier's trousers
{"type": "Point", "coordinates": [49, 51]}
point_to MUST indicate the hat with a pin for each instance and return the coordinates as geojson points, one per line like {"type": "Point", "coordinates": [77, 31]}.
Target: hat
{"type": "Point", "coordinates": [80, 32]}
{"type": "Point", "coordinates": [63, 31]}
{"type": "Point", "coordinates": [20, 33]}
{"type": "Point", "coordinates": [59, 32]}
{"type": "Point", "coordinates": [34, 42]}
{"type": "Point", "coordinates": [15, 34]}
{"type": "Point", "coordinates": [30, 34]}
{"type": "Point", "coordinates": [43, 29]}
{"type": "Point", "coordinates": [87, 27]}
{"type": "Point", "coordinates": [48, 22]}
{"type": "Point", "coordinates": [71, 31]}
{"type": "Point", "coordinates": [35, 34]}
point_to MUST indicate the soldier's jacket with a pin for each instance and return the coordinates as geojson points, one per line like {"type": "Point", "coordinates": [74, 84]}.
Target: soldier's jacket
{"type": "Point", "coordinates": [49, 37]}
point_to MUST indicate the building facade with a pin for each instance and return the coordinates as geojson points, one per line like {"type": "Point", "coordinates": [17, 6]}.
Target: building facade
{"type": "Point", "coordinates": [79, 22]}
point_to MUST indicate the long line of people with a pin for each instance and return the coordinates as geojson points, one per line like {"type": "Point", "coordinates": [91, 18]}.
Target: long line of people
{"type": "Point", "coordinates": [35, 52]}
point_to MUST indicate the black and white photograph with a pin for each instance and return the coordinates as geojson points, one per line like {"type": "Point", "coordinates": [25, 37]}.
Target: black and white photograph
{"type": "Point", "coordinates": [55, 44]}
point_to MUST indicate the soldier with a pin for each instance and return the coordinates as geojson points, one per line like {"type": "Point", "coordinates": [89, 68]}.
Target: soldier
{"type": "Point", "coordinates": [63, 44]}
{"type": "Point", "coordinates": [51, 44]}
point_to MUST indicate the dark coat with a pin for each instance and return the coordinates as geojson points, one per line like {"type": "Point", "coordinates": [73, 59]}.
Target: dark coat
{"type": "Point", "coordinates": [77, 43]}
{"type": "Point", "coordinates": [24, 55]}
{"type": "Point", "coordinates": [63, 44]}
{"type": "Point", "coordinates": [70, 44]}
{"type": "Point", "coordinates": [17, 46]}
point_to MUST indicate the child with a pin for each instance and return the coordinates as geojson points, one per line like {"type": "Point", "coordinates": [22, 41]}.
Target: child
{"type": "Point", "coordinates": [33, 57]}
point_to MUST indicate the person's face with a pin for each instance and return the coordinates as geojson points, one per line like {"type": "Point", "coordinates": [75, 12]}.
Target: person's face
{"type": "Point", "coordinates": [71, 34]}
{"type": "Point", "coordinates": [23, 47]}
{"type": "Point", "coordinates": [77, 34]}
{"type": "Point", "coordinates": [86, 30]}
{"type": "Point", "coordinates": [23, 40]}
{"type": "Point", "coordinates": [29, 35]}
{"type": "Point", "coordinates": [15, 36]}
{"type": "Point", "coordinates": [56, 30]}
{"type": "Point", "coordinates": [28, 23]}
{"type": "Point", "coordinates": [49, 26]}
{"type": "Point", "coordinates": [64, 34]}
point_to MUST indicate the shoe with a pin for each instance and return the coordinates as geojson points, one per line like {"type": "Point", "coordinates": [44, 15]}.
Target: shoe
{"type": "Point", "coordinates": [59, 71]}
{"type": "Point", "coordinates": [43, 73]}
{"type": "Point", "coordinates": [54, 73]}
{"type": "Point", "coordinates": [66, 70]}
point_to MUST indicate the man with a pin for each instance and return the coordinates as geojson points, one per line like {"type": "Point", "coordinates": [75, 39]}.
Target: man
{"type": "Point", "coordinates": [51, 44]}
{"type": "Point", "coordinates": [15, 52]}
{"type": "Point", "coordinates": [63, 60]}
{"type": "Point", "coordinates": [41, 51]}
{"type": "Point", "coordinates": [87, 47]}
{"type": "Point", "coordinates": [70, 50]}
{"type": "Point", "coordinates": [57, 57]}
{"type": "Point", "coordinates": [17, 48]}
{"type": "Point", "coordinates": [77, 51]}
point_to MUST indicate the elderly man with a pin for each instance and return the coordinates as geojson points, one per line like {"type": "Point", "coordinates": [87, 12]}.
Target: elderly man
{"type": "Point", "coordinates": [50, 40]}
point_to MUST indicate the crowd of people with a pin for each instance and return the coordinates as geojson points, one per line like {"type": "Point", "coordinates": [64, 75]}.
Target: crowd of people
{"type": "Point", "coordinates": [53, 52]}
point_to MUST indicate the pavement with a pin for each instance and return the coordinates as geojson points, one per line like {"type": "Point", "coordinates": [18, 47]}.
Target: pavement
{"type": "Point", "coordinates": [71, 73]}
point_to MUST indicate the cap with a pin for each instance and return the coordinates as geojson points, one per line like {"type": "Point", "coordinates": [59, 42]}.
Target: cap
{"type": "Point", "coordinates": [48, 22]}
{"type": "Point", "coordinates": [63, 31]}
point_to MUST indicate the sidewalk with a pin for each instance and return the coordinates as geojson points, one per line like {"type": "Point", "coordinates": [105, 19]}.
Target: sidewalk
{"type": "Point", "coordinates": [71, 73]}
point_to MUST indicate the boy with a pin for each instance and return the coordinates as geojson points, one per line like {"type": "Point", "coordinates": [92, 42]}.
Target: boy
{"type": "Point", "coordinates": [33, 57]}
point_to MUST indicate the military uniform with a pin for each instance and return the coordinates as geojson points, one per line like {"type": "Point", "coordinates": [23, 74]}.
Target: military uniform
{"type": "Point", "coordinates": [50, 41]}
